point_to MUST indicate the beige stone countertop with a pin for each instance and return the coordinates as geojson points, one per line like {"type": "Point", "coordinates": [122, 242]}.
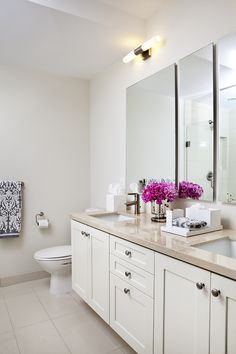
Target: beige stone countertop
{"type": "Point", "coordinates": [142, 231]}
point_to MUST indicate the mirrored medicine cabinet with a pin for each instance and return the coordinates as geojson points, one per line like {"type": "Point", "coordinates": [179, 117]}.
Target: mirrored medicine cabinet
{"type": "Point", "coordinates": [196, 120]}
{"type": "Point", "coordinates": [150, 128]}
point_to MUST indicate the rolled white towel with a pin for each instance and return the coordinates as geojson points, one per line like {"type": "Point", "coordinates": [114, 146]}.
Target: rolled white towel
{"type": "Point", "coordinates": [190, 224]}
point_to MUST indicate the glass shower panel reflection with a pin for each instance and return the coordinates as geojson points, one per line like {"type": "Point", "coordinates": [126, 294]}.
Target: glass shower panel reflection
{"type": "Point", "coordinates": [227, 137]}
{"type": "Point", "coordinates": [199, 145]}
{"type": "Point", "coordinates": [227, 118]}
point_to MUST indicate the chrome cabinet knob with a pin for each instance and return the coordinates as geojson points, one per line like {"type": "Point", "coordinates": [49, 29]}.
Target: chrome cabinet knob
{"type": "Point", "coordinates": [215, 292]}
{"type": "Point", "coordinates": [128, 274]}
{"type": "Point", "coordinates": [86, 234]}
{"type": "Point", "coordinates": [128, 253]}
{"type": "Point", "coordinates": [126, 291]}
{"type": "Point", "coordinates": [200, 285]}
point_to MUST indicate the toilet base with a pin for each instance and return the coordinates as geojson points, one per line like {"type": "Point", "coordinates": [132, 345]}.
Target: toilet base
{"type": "Point", "coordinates": [60, 282]}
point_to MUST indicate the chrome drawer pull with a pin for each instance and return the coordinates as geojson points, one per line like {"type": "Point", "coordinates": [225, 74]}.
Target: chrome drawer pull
{"type": "Point", "coordinates": [126, 291]}
{"type": "Point", "coordinates": [87, 234]}
{"type": "Point", "coordinates": [128, 274]}
{"type": "Point", "coordinates": [215, 292]}
{"type": "Point", "coordinates": [200, 285]}
{"type": "Point", "coordinates": [82, 233]}
{"type": "Point", "coordinates": [128, 253]}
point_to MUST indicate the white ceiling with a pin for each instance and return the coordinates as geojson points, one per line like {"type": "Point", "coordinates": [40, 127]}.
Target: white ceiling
{"type": "Point", "coordinates": [71, 37]}
{"type": "Point", "coordinates": [138, 8]}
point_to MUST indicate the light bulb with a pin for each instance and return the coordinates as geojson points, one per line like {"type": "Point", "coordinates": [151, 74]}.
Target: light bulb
{"type": "Point", "coordinates": [150, 43]}
{"type": "Point", "coordinates": [129, 57]}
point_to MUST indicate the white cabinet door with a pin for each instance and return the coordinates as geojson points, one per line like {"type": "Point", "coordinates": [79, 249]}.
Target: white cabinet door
{"type": "Point", "coordinates": [98, 268]}
{"type": "Point", "coordinates": [131, 315]}
{"type": "Point", "coordinates": [223, 316]}
{"type": "Point", "coordinates": [79, 245]}
{"type": "Point", "coordinates": [181, 309]}
{"type": "Point", "coordinates": [90, 266]}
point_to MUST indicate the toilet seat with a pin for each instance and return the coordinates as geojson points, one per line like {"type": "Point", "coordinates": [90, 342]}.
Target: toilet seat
{"type": "Point", "coordinates": [53, 253]}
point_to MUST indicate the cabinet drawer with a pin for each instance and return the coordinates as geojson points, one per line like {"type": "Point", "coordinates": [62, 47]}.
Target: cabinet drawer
{"type": "Point", "coordinates": [133, 275]}
{"type": "Point", "coordinates": [131, 315]}
{"type": "Point", "coordinates": [132, 253]}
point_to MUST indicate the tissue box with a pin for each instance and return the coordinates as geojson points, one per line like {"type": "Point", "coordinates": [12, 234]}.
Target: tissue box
{"type": "Point", "coordinates": [115, 202]}
{"type": "Point", "coordinates": [173, 214]}
{"type": "Point", "coordinates": [211, 216]}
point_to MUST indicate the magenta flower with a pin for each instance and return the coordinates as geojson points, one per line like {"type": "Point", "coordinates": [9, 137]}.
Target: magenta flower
{"type": "Point", "coordinates": [190, 190]}
{"type": "Point", "coordinates": [159, 192]}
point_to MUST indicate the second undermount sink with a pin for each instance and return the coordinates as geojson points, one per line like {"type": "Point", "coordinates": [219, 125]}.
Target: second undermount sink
{"type": "Point", "coordinates": [113, 217]}
{"type": "Point", "coordinates": [225, 247]}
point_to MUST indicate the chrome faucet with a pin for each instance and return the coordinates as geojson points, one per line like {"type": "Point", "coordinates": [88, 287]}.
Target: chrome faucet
{"type": "Point", "coordinates": [135, 202]}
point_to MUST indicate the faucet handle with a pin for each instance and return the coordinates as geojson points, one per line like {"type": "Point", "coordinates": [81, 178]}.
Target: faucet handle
{"type": "Point", "coordinates": [136, 202]}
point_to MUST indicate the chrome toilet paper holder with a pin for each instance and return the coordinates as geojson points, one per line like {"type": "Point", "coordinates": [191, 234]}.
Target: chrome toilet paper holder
{"type": "Point", "coordinates": [38, 216]}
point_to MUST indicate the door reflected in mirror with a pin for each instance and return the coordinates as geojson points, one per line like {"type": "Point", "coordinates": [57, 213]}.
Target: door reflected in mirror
{"type": "Point", "coordinates": [227, 118]}
{"type": "Point", "coordinates": [150, 123]}
{"type": "Point", "coordinates": [196, 121]}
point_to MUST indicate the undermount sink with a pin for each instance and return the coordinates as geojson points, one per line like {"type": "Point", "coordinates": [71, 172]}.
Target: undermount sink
{"type": "Point", "coordinates": [225, 247]}
{"type": "Point", "coordinates": [113, 217]}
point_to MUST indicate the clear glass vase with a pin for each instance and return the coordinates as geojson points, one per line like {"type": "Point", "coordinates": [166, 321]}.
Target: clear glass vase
{"type": "Point", "coordinates": [158, 211]}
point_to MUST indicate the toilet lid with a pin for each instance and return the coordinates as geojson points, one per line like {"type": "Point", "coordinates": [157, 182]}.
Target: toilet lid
{"type": "Point", "coordinates": [54, 252]}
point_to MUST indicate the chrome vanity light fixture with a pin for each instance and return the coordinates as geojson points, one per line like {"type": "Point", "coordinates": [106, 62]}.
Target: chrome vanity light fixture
{"type": "Point", "coordinates": [144, 49]}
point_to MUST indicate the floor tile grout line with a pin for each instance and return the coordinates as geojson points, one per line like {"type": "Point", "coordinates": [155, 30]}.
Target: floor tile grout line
{"type": "Point", "coordinates": [126, 346]}
{"type": "Point", "coordinates": [58, 316]}
{"type": "Point", "coordinates": [51, 320]}
{"type": "Point", "coordinates": [36, 292]}
{"type": "Point", "coordinates": [61, 336]}
{"type": "Point", "coordinates": [11, 295]}
{"type": "Point", "coordinates": [13, 328]}
{"type": "Point", "coordinates": [103, 330]}
{"type": "Point", "coordinates": [119, 346]}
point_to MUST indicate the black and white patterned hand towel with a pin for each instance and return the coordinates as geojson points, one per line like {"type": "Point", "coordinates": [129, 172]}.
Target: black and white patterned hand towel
{"type": "Point", "coordinates": [10, 208]}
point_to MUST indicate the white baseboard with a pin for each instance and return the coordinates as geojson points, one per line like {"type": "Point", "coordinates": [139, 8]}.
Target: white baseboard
{"type": "Point", "coordinates": [21, 278]}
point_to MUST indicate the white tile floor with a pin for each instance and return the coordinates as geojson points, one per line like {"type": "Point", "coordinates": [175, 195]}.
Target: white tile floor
{"type": "Point", "coordinates": [32, 321]}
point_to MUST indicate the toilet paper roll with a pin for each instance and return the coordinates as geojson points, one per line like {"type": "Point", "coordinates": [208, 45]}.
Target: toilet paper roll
{"type": "Point", "coordinates": [43, 223]}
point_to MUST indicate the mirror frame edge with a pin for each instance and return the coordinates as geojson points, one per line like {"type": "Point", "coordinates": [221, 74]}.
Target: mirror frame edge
{"type": "Point", "coordinates": [215, 119]}
{"type": "Point", "coordinates": [176, 124]}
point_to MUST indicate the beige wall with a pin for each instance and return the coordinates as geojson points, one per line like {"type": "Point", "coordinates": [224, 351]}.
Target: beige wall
{"type": "Point", "coordinates": [43, 142]}
{"type": "Point", "coordinates": [186, 25]}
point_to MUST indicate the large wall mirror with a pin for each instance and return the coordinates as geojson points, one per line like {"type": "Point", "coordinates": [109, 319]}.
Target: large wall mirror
{"type": "Point", "coordinates": [151, 123]}
{"type": "Point", "coordinates": [227, 118]}
{"type": "Point", "coordinates": [196, 121]}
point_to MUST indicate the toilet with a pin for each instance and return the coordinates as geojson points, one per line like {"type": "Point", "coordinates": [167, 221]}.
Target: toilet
{"type": "Point", "coordinates": [57, 262]}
